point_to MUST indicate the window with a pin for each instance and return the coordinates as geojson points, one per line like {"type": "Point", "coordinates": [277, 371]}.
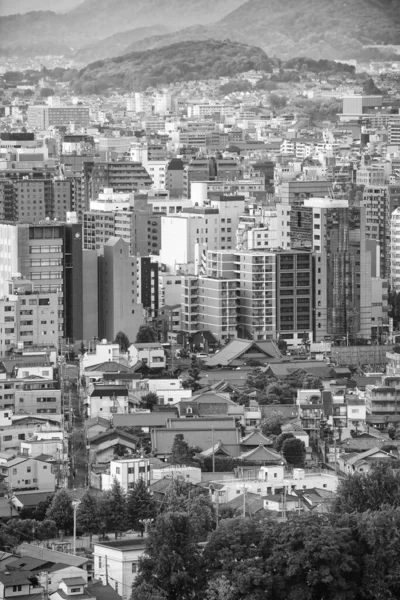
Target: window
{"type": "Point", "coordinates": [134, 567]}
{"type": "Point", "coordinates": [75, 590]}
{"type": "Point", "coordinates": [118, 470]}
{"type": "Point", "coordinates": [17, 588]}
{"type": "Point", "coordinates": [100, 564]}
{"type": "Point", "coordinates": [7, 438]}
{"type": "Point", "coordinates": [14, 471]}
{"type": "Point", "coordinates": [28, 469]}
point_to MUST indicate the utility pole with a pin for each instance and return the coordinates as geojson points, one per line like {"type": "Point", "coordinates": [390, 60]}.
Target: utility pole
{"type": "Point", "coordinates": [45, 588]}
{"type": "Point", "coordinates": [213, 452]}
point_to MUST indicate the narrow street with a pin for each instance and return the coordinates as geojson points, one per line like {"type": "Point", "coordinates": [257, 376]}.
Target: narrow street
{"type": "Point", "coordinates": [75, 427]}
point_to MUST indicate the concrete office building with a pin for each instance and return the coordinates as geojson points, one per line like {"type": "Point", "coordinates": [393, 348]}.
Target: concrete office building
{"type": "Point", "coordinates": [295, 192]}
{"type": "Point", "coordinates": [51, 256]}
{"type": "Point", "coordinates": [43, 117]}
{"type": "Point", "coordinates": [119, 309]}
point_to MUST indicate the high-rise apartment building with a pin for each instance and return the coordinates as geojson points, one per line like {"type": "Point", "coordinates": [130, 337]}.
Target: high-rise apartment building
{"type": "Point", "coordinates": [253, 294]}
{"type": "Point", "coordinates": [28, 317]}
{"type": "Point", "coordinates": [379, 203]}
{"type": "Point", "coordinates": [336, 232]}
{"type": "Point", "coordinates": [119, 309]}
{"type": "Point", "coordinates": [121, 176]}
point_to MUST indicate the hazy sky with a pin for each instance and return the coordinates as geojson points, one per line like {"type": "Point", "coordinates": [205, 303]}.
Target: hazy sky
{"type": "Point", "coordinates": [8, 7]}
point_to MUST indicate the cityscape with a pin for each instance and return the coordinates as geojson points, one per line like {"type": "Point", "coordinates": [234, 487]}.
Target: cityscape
{"type": "Point", "coordinates": [199, 299]}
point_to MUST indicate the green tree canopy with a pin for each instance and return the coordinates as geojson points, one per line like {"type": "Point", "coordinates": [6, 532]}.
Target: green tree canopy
{"type": "Point", "coordinates": [118, 508]}
{"type": "Point", "coordinates": [271, 425]}
{"type": "Point", "coordinates": [294, 452]}
{"type": "Point", "coordinates": [371, 491]}
{"type": "Point", "coordinates": [61, 511]}
{"type": "Point", "coordinates": [149, 400]}
{"type": "Point", "coordinates": [180, 451]}
{"type": "Point", "coordinates": [172, 560]}
{"type": "Point", "coordinates": [123, 341]}
{"type": "Point", "coordinates": [87, 514]}
{"type": "Point", "coordinates": [140, 505]}
{"type": "Point", "coordinates": [146, 334]}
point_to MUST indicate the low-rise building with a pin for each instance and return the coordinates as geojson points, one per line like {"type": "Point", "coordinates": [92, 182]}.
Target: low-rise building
{"type": "Point", "coordinates": [150, 353]}
{"type": "Point", "coordinates": [116, 563]}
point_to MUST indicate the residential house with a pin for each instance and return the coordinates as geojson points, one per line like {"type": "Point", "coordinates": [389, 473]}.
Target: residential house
{"type": "Point", "coordinates": [18, 584]}
{"type": "Point", "coordinates": [97, 425]}
{"type": "Point", "coordinates": [103, 352]}
{"type": "Point", "coordinates": [273, 479]}
{"type": "Point", "coordinates": [44, 570]}
{"type": "Point", "coordinates": [208, 403]}
{"type": "Point", "coordinates": [72, 587]}
{"type": "Point", "coordinates": [152, 354]}
{"type": "Point", "coordinates": [316, 500]}
{"type": "Point", "coordinates": [282, 502]}
{"type": "Point", "coordinates": [22, 473]}
{"type": "Point", "coordinates": [116, 563]}
{"type": "Point", "coordinates": [363, 462]}
{"type": "Point", "coordinates": [110, 371]}
{"type": "Point", "coordinates": [102, 448]}
{"type": "Point", "coordinates": [128, 471]}
{"type": "Point", "coordinates": [56, 557]}
{"type": "Point", "coordinates": [106, 400]}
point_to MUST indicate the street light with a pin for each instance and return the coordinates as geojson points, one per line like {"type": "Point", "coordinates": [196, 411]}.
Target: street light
{"type": "Point", "coordinates": [244, 489]}
{"type": "Point", "coordinates": [75, 504]}
{"type": "Point", "coordinates": [145, 524]}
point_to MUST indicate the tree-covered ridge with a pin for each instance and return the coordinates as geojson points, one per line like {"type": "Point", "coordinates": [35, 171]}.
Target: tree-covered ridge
{"type": "Point", "coordinates": [188, 61]}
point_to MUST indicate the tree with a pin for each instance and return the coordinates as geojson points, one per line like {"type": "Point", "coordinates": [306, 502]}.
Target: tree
{"type": "Point", "coordinates": [147, 591]}
{"type": "Point", "coordinates": [368, 492]}
{"type": "Point", "coordinates": [123, 341]}
{"type": "Point", "coordinates": [87, 514]}
{"type": "Point", "coordinates": [146, 334]}
{"type": "Point", "coordinates": [82, 348]}
{"type": "Point", "coordinates": [61, 511]}
{"type": "Point", "coordinates": [278, 443]}
{"type": "Point", "coordinates": [194, 373]}
{"type": "Point", "coordinates": [180, 452]}
{"type": "Point", "coordinates": [309, 558]}
{"type": "Point", "coordinates": [150, 400]}
{"type": "Point", "coordinates": [172, 560]}
{"type": "Point", "coordinates": [294, 452]}
{"type": "Point", "coordinates": [118, 508]}
{"type": "Point", "coordinates": [46, 92]}
{"type": "Point", "coordinates": [271, 425]}
{"type": "Point", "coordinates": [106, 514]}
{"type": "Point", "coordinates": [282, 345]}
{"type": "Point", "coordinates": [140, 505]}
{"type": "Point", "coordinates": [379, 533]}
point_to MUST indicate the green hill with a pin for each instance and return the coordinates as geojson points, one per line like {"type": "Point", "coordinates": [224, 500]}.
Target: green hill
{"type": "Point", "coordinates": [187, 61]}
{"type": "Point", "coordinates": [333, 29]}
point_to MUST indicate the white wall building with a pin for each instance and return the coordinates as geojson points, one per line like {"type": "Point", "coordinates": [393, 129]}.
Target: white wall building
{"type": "Point", "coordinates": [116, 563]}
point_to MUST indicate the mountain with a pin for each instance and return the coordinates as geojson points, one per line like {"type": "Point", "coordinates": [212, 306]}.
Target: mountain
{"type": "Point", "coordinates": [12, 7]}
{"type": "Point", "coordinates": [330, 29]}
{"type": "Point", "coordinates": [115, 45]}
{"type": "Point", "coordinates": [94, 20]}
{"type": "Point", "coordinates": [187, 61]}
